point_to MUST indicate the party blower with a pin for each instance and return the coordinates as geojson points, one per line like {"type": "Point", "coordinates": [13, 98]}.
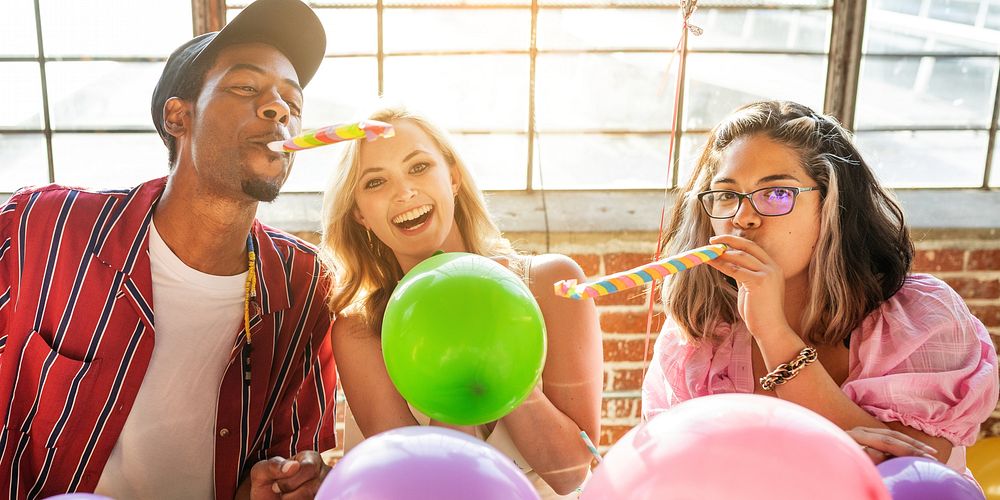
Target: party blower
{"type": "Point", "coordinates": [647, 273]}
{"type": "Point", "coordinates": [365, 129]}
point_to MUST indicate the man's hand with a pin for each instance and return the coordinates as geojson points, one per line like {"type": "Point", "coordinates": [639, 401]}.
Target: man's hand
{"type": "Point", "coordinates": [288, 479]}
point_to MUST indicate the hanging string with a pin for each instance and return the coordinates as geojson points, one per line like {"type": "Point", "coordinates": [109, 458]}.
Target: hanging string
{"type": "Point", "coordinates": [687, 7]}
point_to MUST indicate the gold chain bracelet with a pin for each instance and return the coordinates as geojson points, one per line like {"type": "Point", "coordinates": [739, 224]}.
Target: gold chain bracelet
{"type": "Point", "coordinates": [787, 371]}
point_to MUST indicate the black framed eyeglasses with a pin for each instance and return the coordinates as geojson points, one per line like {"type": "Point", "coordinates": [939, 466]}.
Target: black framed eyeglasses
{"type": "Point", "coordinates": [768, 202]}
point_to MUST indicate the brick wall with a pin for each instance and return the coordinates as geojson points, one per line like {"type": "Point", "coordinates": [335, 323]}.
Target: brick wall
{"type": "Point", "coordinates": [968, 260]}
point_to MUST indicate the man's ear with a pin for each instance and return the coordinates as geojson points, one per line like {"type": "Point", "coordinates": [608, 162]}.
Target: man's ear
{"type": "Point", "coordinates": [176, 116]}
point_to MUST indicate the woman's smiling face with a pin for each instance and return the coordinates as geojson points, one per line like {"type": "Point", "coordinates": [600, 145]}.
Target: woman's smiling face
{"type": "Point", "coordinates": [406, 194]}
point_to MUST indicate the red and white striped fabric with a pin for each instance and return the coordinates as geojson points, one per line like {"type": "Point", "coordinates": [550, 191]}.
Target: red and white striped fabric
{"type": "Point", "coordinates": [77, 331]}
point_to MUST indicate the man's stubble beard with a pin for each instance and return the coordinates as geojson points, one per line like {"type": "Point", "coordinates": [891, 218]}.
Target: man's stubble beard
{"type": "Point", "coordinates": [265, 190]}
{"type": "Point", "coordinates": [261, 190]}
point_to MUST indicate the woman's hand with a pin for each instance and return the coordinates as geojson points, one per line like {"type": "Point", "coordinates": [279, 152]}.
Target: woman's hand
{"type": "Point", "coordinates": [761, 282]}
{"type": "Point", "coordinates": [883, 444]}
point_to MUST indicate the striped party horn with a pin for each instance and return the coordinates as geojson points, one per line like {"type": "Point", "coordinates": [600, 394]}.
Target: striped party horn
{"type": "Point", "coordinates": [365, 129]}
{"type": "Point", "coordinates": [654, 271]}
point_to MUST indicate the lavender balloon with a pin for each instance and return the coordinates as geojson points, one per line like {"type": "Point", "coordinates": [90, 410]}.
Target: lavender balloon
{"type": "Point", "coordinates": [430, 463]}
{"type": "Point", "coordinates": [911, 478]}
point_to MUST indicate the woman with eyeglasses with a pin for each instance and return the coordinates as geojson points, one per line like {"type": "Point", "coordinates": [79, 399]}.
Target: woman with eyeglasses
{"type": "Point", "coordinates": [813, 302]}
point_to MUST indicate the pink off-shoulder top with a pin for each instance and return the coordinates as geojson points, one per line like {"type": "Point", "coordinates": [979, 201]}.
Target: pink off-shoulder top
{"type": "Point", "coordinates": [921, 358]}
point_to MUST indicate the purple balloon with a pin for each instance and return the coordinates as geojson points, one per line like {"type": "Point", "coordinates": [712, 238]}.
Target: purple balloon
{"type": "Point", "coordinates": [430, 463]}
{"type": "Point", "coordinates": [912, 478]}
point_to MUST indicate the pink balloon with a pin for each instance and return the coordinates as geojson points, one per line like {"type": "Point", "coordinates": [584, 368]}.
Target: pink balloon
{"type": "Point", "coordinates": [736, 446]}
{"type": "Point", "coordinates": [425, 463]}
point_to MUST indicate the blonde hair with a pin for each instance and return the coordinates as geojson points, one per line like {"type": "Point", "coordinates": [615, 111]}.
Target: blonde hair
{"type": "Point", "coordinates": [365, 269]}
{"type": "Point", "coordinates": [864, 250]}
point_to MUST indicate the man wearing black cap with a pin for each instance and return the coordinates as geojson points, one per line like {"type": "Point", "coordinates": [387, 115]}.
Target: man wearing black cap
{"type": "Point", "coordinates": [160, 342]}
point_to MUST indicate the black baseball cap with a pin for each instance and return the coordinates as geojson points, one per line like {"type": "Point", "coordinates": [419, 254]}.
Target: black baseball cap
{"type": "Point", "coordinates": [287, 25]}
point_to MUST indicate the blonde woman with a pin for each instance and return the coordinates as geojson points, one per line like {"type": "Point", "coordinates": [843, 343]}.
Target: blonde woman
{"type": "Point", "coordinates": [817, 276]}
{"type": "Point", "coordinates": [393, 204]}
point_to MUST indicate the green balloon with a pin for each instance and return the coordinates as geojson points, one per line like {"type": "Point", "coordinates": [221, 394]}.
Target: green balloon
{"type": "Point", "coordinates": [463, 339]}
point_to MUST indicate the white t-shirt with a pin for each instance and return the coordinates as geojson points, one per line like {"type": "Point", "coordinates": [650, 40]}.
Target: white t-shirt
{"type": "Point", "coordinates": [167, 448]}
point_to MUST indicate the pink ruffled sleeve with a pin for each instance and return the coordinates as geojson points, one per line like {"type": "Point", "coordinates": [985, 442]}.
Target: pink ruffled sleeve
{"type": "Point", "coordinates": [669, 354]}
{"type": "Point", "coordinates": [922, 359]}
{"type": "Point", "coordinates": [682, 370]}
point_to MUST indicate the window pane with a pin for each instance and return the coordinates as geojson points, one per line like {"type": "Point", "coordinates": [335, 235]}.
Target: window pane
{"type": "Point", "coordinates": [17, 30]}
{"type": "Point", "coordinates": [884, 41]}
{"type": "Point", "coordinates": [24, 161]}
{"type": "Point", "coordinates": [719, 83]}
{"type": "Point", "coordinates": [907, 91]}
{"type": "Point", "coordinates": [348, 31]}
{"type": "Point", "coordinates": [660, 29]}
{"type": "Point", "coordinates": [903, 6]}
{"type": "Point", "coordinates": [463, 92]}
{"type": "Point", "coordinates": [691, 148]}
{"type": "Point", "coordinates": [608, 28]}
{"type": "Point", "coordinates": [947, 26]}
{"type": "Point", "coordinates": [767, 29]}
{"type": "Point", "coordinates": [101, 94]}
{"type": "Point", "coordinates": [108, 161]}
{"type": "Point", "coordinates": [957, 11]}
{"type": "Point", "coordinates": [925, 159]}
{"type": "Point", "coordinates": [497, 161]}
{"type": "Point", "coordinates": [20, 96]}
{"type": "Point", "coordinates": [115, 27]}
{"type": "Point", "coordinates": [993, 15]}
{"type": "Point", "coordinates": [343, 90]}
{"type": "Point", "coordinates": [593, 161]}
{"type": "Point", "coordinates": [604, 91]}
{"type": "Point", "coordinates": [611, 149]}
{"type": "Point", "coordinates": [411, 30]}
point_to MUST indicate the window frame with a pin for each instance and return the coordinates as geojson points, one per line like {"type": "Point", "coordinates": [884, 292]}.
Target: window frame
{"type": "Point", "coordinates": [844, 57]}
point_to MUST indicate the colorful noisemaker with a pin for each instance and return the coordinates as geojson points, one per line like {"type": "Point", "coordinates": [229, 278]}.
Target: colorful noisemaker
{"type": "Point", "coordinates": [654, 271]}
{"type": "Point", "coordinates": [365, 129]}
